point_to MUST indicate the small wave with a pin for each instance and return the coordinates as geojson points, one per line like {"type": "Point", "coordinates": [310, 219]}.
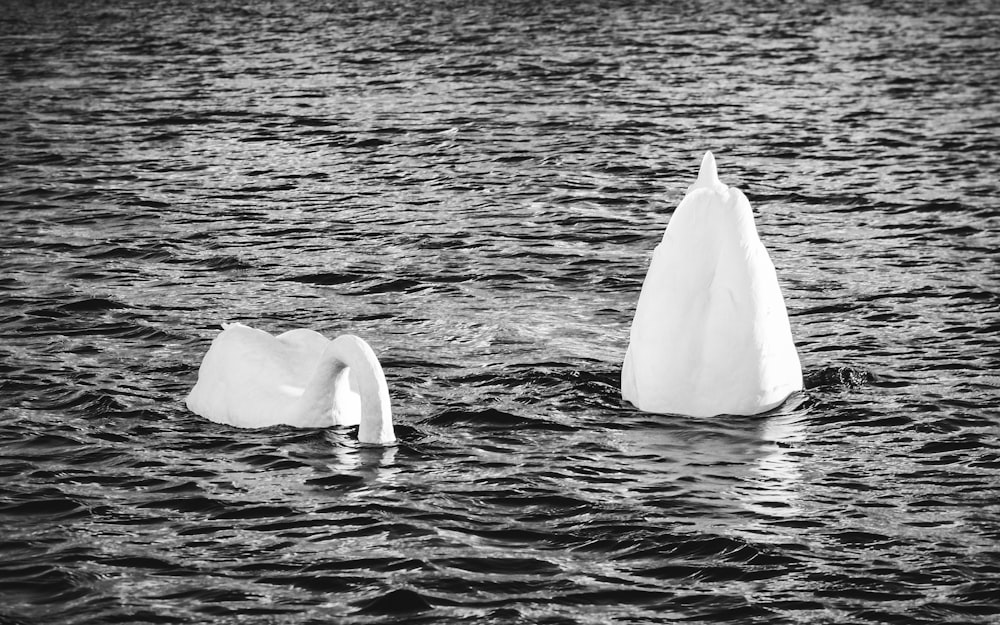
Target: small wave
{"type": "Point", "coordinates": [120, 252]}
{"type": "Point", "coordinates": [501, 566]}
{"type": "Point", "coordinates": [313, 583]}
{"type": "Point", "coordinates": [615, 596]}
{"type": "Point", "coordinates": [45, 582]}
{"type": "Point", "coordinates": [92, 304]}
{"type": "Point", "coordinates": [139, 562]}
{"type": "Point", "coordinates": [257, 512]}
{"type": "Point", "coordinates": [398, 285]}
{"type": "Point", "coordinates": [122, 329]}
{"type": "Point", "coordinates": [701, 573]}
{"type": "Point", "coordinates": [335, 481]}
{"type": "Point", "coordinates": [89, 401]}
{"type": "Point", "coordinates": [860, 538]}
{"type": "Point", "coordinates": [204, 505]}
{"type": "Point", "coordinates": [324, 279]}
{"type": "Point", "coordinates": [709, 547]}
{"type": "Point", "coordinates": [273, 462]}
{"type": "Point", "coordinates": [493, 419]}
{"type": "Point", "coordinates": [46, 507]}
{"type": "Point", "coordinates": [952, 445]}
{"type": "Point", "coordinates": [226, 263]}
{"type": "Point", "coordinates": [402, 601]}
{"type": "Point", "coordinates": [371, 142]}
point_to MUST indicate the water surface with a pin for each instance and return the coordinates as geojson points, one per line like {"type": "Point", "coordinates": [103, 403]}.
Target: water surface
{"type": "Point", "coordinates": [477, 191]}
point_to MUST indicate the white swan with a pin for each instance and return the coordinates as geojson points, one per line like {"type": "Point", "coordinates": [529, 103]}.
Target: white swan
{"type": "Point", "coordinates": [252, 379]}
{"type": "Point", "coordinates": [710, 334]}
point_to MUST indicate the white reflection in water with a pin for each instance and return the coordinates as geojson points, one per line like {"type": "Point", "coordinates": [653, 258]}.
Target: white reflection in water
{"type": "Point", "coordinates": [371, 463]}
{"type": "Point", "coordinates": [778, 474]}
{"type": "Point", "coordinates": [772, 486]}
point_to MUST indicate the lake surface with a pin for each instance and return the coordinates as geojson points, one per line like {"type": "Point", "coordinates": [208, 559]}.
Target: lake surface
{"type": "Point", "coordinates": [476, 189]}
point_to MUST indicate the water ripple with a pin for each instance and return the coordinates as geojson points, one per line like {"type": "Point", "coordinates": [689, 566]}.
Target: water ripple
{"type": "Point", "coordinates": [477, 189]}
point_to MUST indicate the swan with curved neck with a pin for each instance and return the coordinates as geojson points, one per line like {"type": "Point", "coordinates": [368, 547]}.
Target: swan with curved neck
{"type": "Point", "coordinates": [252, 379]}
{"type": "Point", "coordinates": [710, 334]}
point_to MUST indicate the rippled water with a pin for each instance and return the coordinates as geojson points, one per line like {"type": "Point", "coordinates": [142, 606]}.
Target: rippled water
{"type": "Point", "coordinates": [477, 191]}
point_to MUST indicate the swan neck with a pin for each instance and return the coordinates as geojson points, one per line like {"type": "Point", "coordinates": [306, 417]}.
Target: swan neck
{"type": "Point", "coordinates": [367, 376]}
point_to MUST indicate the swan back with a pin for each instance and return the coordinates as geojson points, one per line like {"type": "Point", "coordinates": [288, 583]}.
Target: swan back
{"type": "Point", "coordinates": [710, 333]}
{"type": "Point", "coordinates": [249, 378]}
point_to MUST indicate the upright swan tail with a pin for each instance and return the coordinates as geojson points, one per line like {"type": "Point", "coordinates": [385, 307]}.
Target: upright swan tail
{"type": "Point", "coordinates": [708, 176]}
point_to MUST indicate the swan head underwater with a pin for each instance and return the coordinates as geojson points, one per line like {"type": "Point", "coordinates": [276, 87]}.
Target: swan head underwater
{"type": "Point", "coordinates": [251, 379]}
{"type": "Point", "coordinates": [710, 334]}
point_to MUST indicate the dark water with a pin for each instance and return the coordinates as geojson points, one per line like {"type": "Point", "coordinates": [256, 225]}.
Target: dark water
{"type": "Point", "coordinates": [476, 188]}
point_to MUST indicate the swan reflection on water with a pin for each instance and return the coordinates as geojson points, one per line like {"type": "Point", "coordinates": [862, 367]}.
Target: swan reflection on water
{"type": "Point", "coordinates": [772, 488]}
{"type": "Point", "coordinates": [369, 463]}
